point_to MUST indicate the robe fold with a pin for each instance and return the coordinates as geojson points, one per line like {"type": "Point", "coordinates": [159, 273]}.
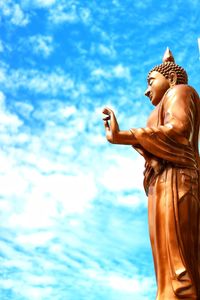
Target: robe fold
{"type": "Point", "coordinates": [169, 145]}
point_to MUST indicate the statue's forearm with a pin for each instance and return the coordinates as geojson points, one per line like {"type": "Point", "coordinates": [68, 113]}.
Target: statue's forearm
{"type": "Point", "coordinates": [123, 138]}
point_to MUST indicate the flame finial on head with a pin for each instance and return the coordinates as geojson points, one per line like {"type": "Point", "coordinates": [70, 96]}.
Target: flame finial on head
{"type": "Point", "coordinates": [168, 56]}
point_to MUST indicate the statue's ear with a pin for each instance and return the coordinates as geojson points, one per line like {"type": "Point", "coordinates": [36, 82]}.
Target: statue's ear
{"type": "Point", "coordinates": [172, 78]}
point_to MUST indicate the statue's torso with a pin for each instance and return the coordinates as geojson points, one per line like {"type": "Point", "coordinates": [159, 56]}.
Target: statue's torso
{"type": "Point", "coordinates": [153, 118]}
{"type": "Point", "coordinates": [167, 145]}
{"type": "Point", "coordinates": [188, 113]}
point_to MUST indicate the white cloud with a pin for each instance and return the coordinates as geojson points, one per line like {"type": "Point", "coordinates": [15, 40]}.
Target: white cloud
{"type": "Point", "coordinates": [85, 15]}
{"type": "Point", "coordinates": [37, 3]}
{"type": "Point", "coordinates": [54, 82]}
{"type": "Point", "coordinates": [67, 111]}
{"type": "Point", "coordinates": [30, 292]}
{"type": "Point", "coordinates": [135, 285]}
{"type": "Point", "coordinates": [3, 71]}
{"type": "Point", "coordinates": [2, 101]}
{"type": "Point", "coordinates": [43, 3]}
{"type": "Point", "coordinates": [19, 18]}
{"type": "Point", "coordinates": [63, 13]}
{"type": "Point", "coordinates": [138, 287]}
{"type": "Point", "coordinates": [41, 199]}
{"type": "Point", "coordinates": [116, 2]}
{"type": "Point", "coordinates": [129, 200]}
{"type": "Point", "coordinates": [35, 292]}
{"type": "Point", "coordinates": [35, 239]}
{"type": "Point", "coordinates": [1, 46]}
{"type": "Point", "coordinates": [121, 72]}
{"type": "Point", "coordinates": [8, 120]}
{"type": "Point", "coordinates": [24, 109]}
{"type": "Point", "coordinates": [142, 4]}
{"type": "Point", "coordinates": [48, 83]}
{"type": "Point", "coordinates": [104, 49]}
{"type": "Point", "coordinates": [70, 12]}
{"type": "Point", "coordinates": [118, 71]}
{"type": "Point", "coordinates": [124, 174]}
{"type": "Point", "coordinates": [100, 73]}
{"type": "Point", "coordinates": [41, 187]}
{"type": "Point", "coordinates": [37, 185]}
{"type": "Point", "coordinates": [107, 50]}
{"type": "Point", "coordinates": [41, 44]}
{"type": "Point", "coordinates": [14, 13]}
{"type": "Point", "coordinates": [15, 261]}
{"type": "Point", "coordinates": [7, 283]}
{"type": "Point", "coordinates": [35, 280]}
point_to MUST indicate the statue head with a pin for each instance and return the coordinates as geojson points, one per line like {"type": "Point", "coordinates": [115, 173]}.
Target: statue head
{"type": "Point", "coordinates": [164, 76]}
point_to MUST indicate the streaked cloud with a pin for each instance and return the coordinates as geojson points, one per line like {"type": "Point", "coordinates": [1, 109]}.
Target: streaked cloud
{"type": "Point", "coordinates": [140, 288]}
{"type": "Point", "coordinates": [38, 3]}
{"type": "Point", "coordinates": [54, 82]}
{"type": "Point", "coordinates": [118, 71]}
{"type": "Point", "coordinates": [104, 49]}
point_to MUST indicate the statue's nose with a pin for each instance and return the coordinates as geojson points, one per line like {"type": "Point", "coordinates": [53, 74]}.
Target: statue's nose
{"type": "Point", "coordinates": [147, 92]}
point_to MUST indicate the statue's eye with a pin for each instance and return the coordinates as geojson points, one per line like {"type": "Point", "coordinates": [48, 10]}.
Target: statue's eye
{"type": "Point", "coordinates": [150, 82]}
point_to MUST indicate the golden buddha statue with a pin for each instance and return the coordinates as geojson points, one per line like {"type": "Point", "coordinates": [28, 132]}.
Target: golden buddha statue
{"type": "Point", "coordinates": [169, 145]}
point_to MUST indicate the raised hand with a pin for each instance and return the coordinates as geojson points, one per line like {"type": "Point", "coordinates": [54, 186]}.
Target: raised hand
{"type": "Point", "coordinates": [113, 134]}
{"type": "Point", "coordinates": [110, 123]}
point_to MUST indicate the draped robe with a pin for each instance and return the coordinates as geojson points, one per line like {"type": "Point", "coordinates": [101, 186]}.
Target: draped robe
{"type": "Point", "coordinates": [169, 145]}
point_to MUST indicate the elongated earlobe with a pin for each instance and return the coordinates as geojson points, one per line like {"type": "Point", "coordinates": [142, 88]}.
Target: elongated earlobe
{"type": "Point", "coordinates": [172, 78]}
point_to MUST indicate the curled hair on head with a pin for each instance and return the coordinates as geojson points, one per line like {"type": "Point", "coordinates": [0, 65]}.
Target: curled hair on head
{"type": "Point", "coordinates": [167, 67]}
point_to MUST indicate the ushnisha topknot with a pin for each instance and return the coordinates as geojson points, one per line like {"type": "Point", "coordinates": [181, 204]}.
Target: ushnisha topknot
{"type": "Point", "coordinates": [169, 65]}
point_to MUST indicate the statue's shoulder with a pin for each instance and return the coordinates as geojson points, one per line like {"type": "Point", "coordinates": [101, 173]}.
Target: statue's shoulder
{"type": "Point", "coordinates": [182, 90]}
{"type": "Point", "coordinates": [180, 95]}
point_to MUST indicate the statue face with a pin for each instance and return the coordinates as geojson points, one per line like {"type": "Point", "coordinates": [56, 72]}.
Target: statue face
{"type": "Point", "coordinates": [157, 86]}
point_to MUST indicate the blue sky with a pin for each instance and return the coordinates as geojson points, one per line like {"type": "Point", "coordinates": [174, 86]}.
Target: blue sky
{"type": "Point", "coordinates": [73, 211]}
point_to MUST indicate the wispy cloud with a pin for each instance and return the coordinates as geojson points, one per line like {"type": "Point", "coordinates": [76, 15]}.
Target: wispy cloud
{"type": "Point", "coordinates": [64, 13]}
{"type": "Point", "coordinates": [1, 46]}
{"type": "Point", "coordinates": [70, 12]}
{"type": "Point", "coordinates": [36, 176]}
{"type": "Point", "coordinates": [9, 121]}
{"type": "Point", "coordinates": [139, 288]}
{"type": "Point", "coordinates": [53, 83]}
{"type": "Point", "coordinates": [104, 49]}
{"type": "Point", "coordinates": [40, 44]}
{"type": "Point", "coordinates": [118, 71]}
{"type": "Point", "coordinates": [14, 13]}
{"type": "Point", "coordinates": [38, 3]}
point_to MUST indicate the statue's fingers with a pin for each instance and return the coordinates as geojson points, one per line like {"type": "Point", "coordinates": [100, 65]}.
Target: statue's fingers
{"type": "Point", "coordinates": [107, 126]}
{"type": "Point", "coordinates": [106, 118]}
{"type": "Point", "coordinates": [107, 111]}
